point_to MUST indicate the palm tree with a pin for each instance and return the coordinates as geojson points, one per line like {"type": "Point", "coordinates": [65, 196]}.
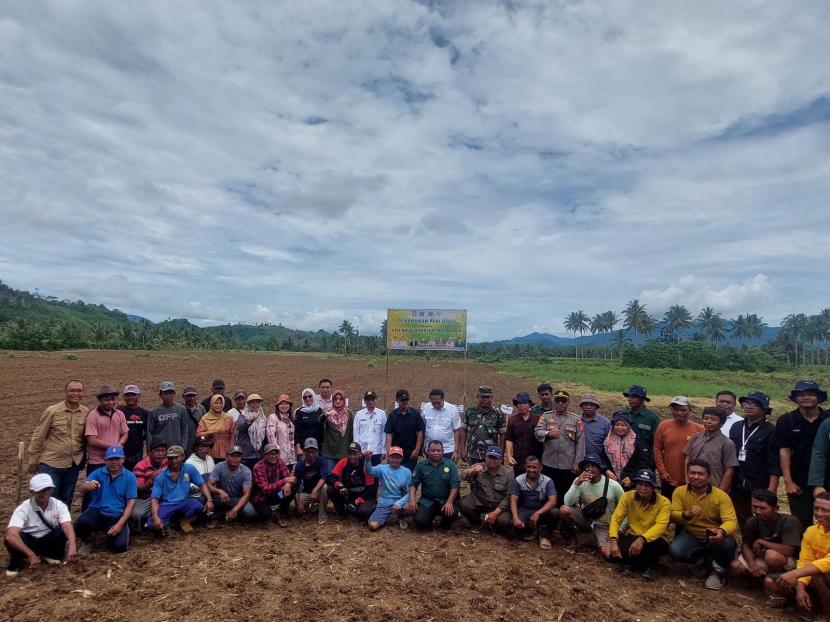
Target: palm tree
{"type": "Point", "coordinates": [637, 319]}
{"type": "Point", "coordinates": [817, 332]}
{"type": "Point", "coordinates": [619, 342]}
{"type": "Point", "coordinates": [346, 330]}
{"type": "Point", "coordinates": [577, 322]}
{"type": "Point", "coordinates": [740, 330]}
{"type": "Point", "coordinates": [794, 327]}
{"type": "Point", "coordinates": [711, 324]}
{"type": "Point", "coordinates": [675, 320]}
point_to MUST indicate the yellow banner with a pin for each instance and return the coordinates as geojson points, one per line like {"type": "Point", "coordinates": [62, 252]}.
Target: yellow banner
{"type": "Point", "coordinates": [426, 329]}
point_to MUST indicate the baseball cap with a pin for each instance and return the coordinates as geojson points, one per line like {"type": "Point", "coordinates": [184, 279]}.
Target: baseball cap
{"type": "Point", "coordinates": [167, 385]}
{"type": "Point", "coordinates": [645, 475]}
{"type": "Point", "coordinates": [370, 395]}
{"type": "Point", "coordinates": [204, 440]}
{"type": "Point", "coordinates": [395, 450]}
{"type": "Point", "coordinates": [589, 398]}
{"type": "Point", "coordinates": [354, 446]}
{"type": "Point", "coordinates": [311, 443]}
{"type": "Point", "coordinates": [218, 384]}
{"type": "Point", "coordinates": [41, 481]}
{"type": "Point", "coordinates": [268, 449]}
{"type": "Point", "coordinates": [635, 390]}
{"type": "Point", "coordinates": [131, 388]}
{"type": "Point", "coordinates": [485, 391]}
{"type": "Point", "coordinates": [234, 449]}
{"type": "Point", "coordinates": [240, 393]}
{"type": "Point", "coordinates": [106, 390]}
{"type": "Point", "coordinates": [114, 451]}
{"type": "Point", "coordinates": [681, 400]}
{"type": "Point", "coordinates": [401, 394]}
{"type": "Point", "coordinates": [189, 390]}
{"type": "Point", "coordinates": [175, 450]}
{"type": "Point", "coordinates": [493, 451]}
{"type": "Point", "coordinates": [158, 442]}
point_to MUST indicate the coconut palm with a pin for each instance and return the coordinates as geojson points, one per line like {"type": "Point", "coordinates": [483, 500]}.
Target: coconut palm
{"type": "Point", "coordinates": [676, 320]}
{"type": "Point", "coordinates": [637, 319]}
{"type": "Point", "coordinates": [712, 325]}
{"type": "Point", "coordinates": [577, 322]}
{"type": "Point", "coordinates": [794, 327]}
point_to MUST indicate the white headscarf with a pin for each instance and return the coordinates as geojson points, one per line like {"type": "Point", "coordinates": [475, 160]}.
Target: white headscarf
{"type": "Point", "coordinates": [315, 404]}
{"type": "Point", "coordinates": [256, 428]}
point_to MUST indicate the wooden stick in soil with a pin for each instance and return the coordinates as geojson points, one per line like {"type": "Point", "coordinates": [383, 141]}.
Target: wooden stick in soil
{"type": "Point", "coordinates": [19, 473]}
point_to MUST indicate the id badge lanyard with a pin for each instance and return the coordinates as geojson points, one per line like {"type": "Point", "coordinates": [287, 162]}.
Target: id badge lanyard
{"type": "Point", "coordinates": [744, 440]}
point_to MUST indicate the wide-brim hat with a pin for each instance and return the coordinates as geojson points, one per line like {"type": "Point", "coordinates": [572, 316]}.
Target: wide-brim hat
{"type": "Point", "coordinates": [635, 390]}
{"type": "Point", "coordinates": [808, 385]}
{"type": "Point", "coordinates": [759, 397]}
{"type": "Point", "coordinates": [522, 398]}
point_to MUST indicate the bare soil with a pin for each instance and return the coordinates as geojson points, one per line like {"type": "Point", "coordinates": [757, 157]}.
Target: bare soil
{"type": "Point", "coordinates": [338, 571]}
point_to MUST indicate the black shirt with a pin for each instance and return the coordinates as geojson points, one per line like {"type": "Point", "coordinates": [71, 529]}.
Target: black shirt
{"type": "Point", "coordinates": [792, 431]}
{"type": "Point", "coordinates": [137, 429]}
{"type": "Point", "coordinates": [404, 428]}
{"type": "Point", "coordinates": [308, 425]}
{"type": "Point", "coordinates": [761, 460]}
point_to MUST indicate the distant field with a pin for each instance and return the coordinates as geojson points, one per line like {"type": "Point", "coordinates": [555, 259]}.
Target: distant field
{"type": "Point", "coordinates": [611, 377]}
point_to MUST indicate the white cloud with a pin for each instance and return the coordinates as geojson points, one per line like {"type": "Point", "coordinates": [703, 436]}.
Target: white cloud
{"type": "Point", "coordinates": [696, 293]}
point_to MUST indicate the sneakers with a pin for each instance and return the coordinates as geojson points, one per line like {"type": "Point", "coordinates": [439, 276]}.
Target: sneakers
{"type": "Point", "coordinates": [51, 562]}
{"type": "Point", "coordinates": [12, 573]}
{"type": "Point", "coordinates": [650, 574]}
{"type": "Point", "coordinates": [186, 524]}
{"type": "Point", "coordinates": [715, 581]}
{"type": "Point", "coordinates": [544, 543]}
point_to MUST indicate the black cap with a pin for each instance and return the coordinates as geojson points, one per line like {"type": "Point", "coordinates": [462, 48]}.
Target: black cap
{"type": "Point", "coordinates": [635, 390]}
{"type": "Point", "coordinates": [218, 384]}
{"type": "Point", "coordinates": [401, 394]}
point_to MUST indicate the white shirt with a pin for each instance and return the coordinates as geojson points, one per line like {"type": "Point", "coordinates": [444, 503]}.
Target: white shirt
{"type": "Point", "coordinates": [730, 421]}
{"type": "Point", "coordinates": [205, 467]}
{"type": "Point", "coordinates": [441, 425]}
{"type": "Point", "coordinates": [234, 412]}
{"type": "Point", "coordinates": [25, 517]}
{"type": "Point", "coordinates": [367, 430]}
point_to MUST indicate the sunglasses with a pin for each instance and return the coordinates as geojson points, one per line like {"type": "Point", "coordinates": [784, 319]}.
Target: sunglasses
{"type": "Point", "coordinates": [561, 400]}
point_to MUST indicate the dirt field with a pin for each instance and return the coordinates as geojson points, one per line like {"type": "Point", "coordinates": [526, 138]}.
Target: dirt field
{"type": "Point", "coordinates": [338, 571]}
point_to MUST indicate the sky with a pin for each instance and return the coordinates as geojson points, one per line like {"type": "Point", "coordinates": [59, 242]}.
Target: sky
{"type": "Point", "coordinates": [309, 162]}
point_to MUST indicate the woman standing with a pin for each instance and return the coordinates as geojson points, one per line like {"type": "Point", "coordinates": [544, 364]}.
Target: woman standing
{"type": "Point", "coordinates": [338, 431]}
{"type": "Point", "coordinates": [280, 430]}
{"type": "Point", "coordinates": [250, 430]}
{"type": "Point", "coordinates": [309, 420]}
{"type": "Point", "coordinates": [626, 452]}
{"type": "Point", "coordinates": [217, 426]}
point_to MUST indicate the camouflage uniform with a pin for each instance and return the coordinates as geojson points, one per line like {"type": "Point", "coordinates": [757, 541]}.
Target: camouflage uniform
{"type": "Point", "coordinates": [483, 428]}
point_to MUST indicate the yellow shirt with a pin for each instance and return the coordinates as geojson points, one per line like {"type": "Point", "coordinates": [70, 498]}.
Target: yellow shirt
{"type": "Point", "coordinates": [649, 521]}
{"type": "Point", "coordinates": [815, 549]}
{"type": "Point", "coordinates": [58, 439]}
{"type": "Point", "coordinates": [718, 511]}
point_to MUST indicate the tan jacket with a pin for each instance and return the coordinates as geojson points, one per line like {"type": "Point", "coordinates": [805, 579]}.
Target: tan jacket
{"type": "Point", "coordinates": [58, 439]}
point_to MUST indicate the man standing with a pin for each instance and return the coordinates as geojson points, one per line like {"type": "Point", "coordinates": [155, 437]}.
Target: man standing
{"type": "Point", "coordinates": [168, 420]}
{"type": "Point", "coordinates": [489, 500]}
{"type": "Point", "coordinates": [105, 426]}
{"type": "Point", "coordinates": [113, 491]}
{"type": "Point", "coordinates": [482, 426]}
{"type": "Point", "coordinates": [708, 520]}
{"type": "Point", "coordinates": [368, 427]}
{"type": "Point", "coordinates": [195, 412]}
{"type": "Point", "coordinates": [39, 529]}
{"type": "Point", "coordinates": [405, 429]}
{"type": "Point", "coordinates": [670, 440]}
{"type": "Point", "coordinates": [217, 387]}
{"type": "Point", "coordinates": [240, 400]}
{"type": "Point", "coordinates": [352, 490]}
{"type": "Point", "coordinates": [57, 444]}
{"type": "Point", "coordinates": [324, 394]}
{"type": "Point", "coordinates": [231, 483]}
{"type": "Point", "coordinates": [393, 492]}
{"type": "Point", "coordinates": [520, 438]}
{"type": "Point", "coordinates": [758, 462]}
{"type": "Point", "coordinates": [136, 424]}
{"type": "Point", "coordinates": [145, 473]}
{"type": "Point", "coordinates": [561, 432]}
{"type": "Point", "coordinates": [596, 428]}
{"type": "Point", "coordinates": [532, 501]}
{"type": "Point", "coordinates": [713, 447]}
{"type": "Point", "coordinates": [727, 400]}
{"type": "Point", "coordinates": [442, 423]}
{"type": "Point", "coordinates": [438, 479]}
{"type": "Point", "coordinates": [273, 484]}
{"type": "Point", "coordinates": [795, 434]}
{"type": "Point", "coordinates": [171, 498]}
{"type": "Point", "coordinates": [769, 540]}
{"type": "Point", "coordinates": [644, 421]}
{"type": "Point", "coordinates": [545, 393]}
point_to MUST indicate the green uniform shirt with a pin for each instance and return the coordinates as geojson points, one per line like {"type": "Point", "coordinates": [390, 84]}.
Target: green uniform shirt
{"type": "Point", "coordinates": [492, 491]}
{"type": "Point", "coordinates": [482, 425]}
{"type": "Point", "coordinates": [645, 423]}
{"type": "Point", "coordinates": [436, 481]}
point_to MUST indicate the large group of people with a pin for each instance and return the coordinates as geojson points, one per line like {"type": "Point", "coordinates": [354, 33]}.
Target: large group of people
{"type": "Point", "coordinates": [700, 489]}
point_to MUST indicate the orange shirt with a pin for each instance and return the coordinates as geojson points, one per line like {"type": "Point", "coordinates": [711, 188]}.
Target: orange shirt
{"type": "Point", "coordinates": [669, 442]}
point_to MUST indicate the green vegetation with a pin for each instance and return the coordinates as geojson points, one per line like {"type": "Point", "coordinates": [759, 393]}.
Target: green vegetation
{"type": "Point", "coordinates": [613, 377]}
{"type": "Point", "coordinates": [699, 355]}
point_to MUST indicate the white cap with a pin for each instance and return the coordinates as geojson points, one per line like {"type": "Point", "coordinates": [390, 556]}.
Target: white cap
{"type": "Point", "coordinates": [681, 400]}
{"type": "Point", "coordinates": [41, 481]}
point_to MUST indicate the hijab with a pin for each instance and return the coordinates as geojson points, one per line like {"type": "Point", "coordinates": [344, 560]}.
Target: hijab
{"type": "Point", "coordinates": [315, 404]}
{"type": "Point", "coordinates": [211, 421]}
{"type": "Point", "coordinates": [619, 449]}
{"type": "Point", "coordinates": [256, 427]}
{"type": "Point", "coordinates": [338, 418]}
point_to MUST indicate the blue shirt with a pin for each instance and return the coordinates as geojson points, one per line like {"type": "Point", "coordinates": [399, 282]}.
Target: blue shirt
{"type": "Point", "coordinates": [165, 490]}
{"type": "Point", "coordinates": [111, 497]}
{"type": "Point", "coordinates": [308, 475]}
{"type": "Point", "coordinates": [595, 432]}
{"type": "Point", "coordinates": [532, 498]}
{"type": "Point", "coordinates": [394, 483]}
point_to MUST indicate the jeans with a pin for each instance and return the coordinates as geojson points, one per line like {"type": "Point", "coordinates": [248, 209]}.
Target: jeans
{"type": "Point", "coordinates": [51, 545]}
{"type": "Point", "coordinates": [263, 507]}
{"type": "Point", "coordinates": [546, 523]}
{"type": "Point", "coordinates": [92, 520]}
{"type": "Point", "coordinates": [425, 514]}
{"type": "Point", "coordinates": [688, 549]}
{"type": "Point", "coordinates": [64, 480]}
{"type": "Point", "coordinates": [221, 509]}
{"type": "Point", "coordinates": [647, 558]}
{"type": "Point", "coordinates": [328, 465]}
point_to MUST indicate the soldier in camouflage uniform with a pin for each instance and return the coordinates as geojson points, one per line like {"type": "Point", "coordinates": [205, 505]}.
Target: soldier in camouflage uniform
{"type": "Point", "coordinates": [482, 426]}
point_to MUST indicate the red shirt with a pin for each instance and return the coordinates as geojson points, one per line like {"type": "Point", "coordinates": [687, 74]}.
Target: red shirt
{"type": "Point", "coordinates": [144, 471]}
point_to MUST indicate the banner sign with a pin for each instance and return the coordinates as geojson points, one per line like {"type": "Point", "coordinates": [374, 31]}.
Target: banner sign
{"type": "Point", "coordinates": [427, 329]}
